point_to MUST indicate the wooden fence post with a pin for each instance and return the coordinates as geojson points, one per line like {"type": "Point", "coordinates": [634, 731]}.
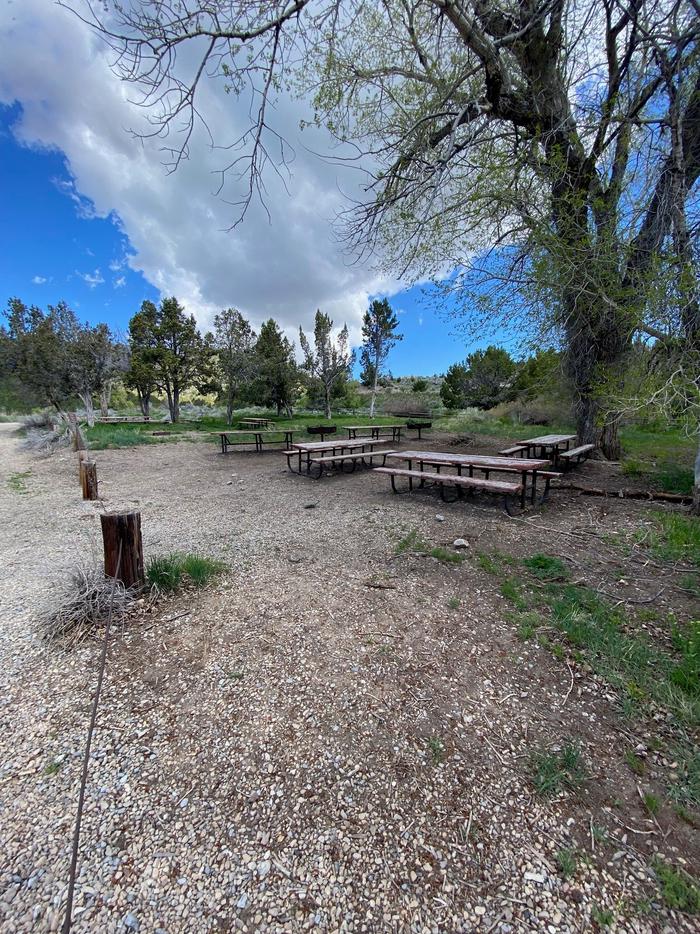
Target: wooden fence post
{"type": "Point", "coordinates": [123, 528]}
{"type": "Point", "coordinates": [88, 479]}
{"type": "Point", "coordinates": [82, 456]}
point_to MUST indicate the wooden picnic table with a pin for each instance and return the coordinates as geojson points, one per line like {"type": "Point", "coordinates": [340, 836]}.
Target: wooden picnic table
{"type": "Point", "coordinates": [260, 438]}
{"type": "Point", "coordinates": [375, 431]}
{"type": "Point", "coordinates": [255, 422]}
{"type": "Point", "coordinates": [526, 466]}
{"type": "Point", "coordinates": [547, 444]}
{"type": "Point", "coordinates": [305, 449]}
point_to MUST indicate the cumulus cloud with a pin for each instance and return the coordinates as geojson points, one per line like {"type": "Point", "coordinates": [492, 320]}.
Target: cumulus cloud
{"type": "Point", "coordinates": [286, 265]}
{"type": "Point", "coordinates": [39, 280]}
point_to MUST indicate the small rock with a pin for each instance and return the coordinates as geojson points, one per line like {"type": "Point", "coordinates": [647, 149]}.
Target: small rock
{"type": "Point", "coordinates": [460, 543]}
{"type": "Point", "coordinates": [439, 518]}
{"type": "Point", "coordinates": [131, 921]}
{"type": "Point", "coordinates": [264, 868]}
{"type": "Point", "coordinates": [242, 902]}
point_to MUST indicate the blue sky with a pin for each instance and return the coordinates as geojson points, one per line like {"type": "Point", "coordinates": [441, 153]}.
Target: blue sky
{"type": "Point", "coordinates": [89, 214]}
{"type": "Point", "coordinates": [54, 247]}
{"type": "Point", "coordinates": [57, 247]}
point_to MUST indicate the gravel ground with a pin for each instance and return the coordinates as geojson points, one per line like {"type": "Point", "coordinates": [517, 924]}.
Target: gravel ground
{"type": "Point", "coordinates": [321, 741]}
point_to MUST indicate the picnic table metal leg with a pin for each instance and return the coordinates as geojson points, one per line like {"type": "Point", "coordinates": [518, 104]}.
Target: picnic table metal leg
{"type": "Point", "coordinates": [223, 446]}
{"type": "Point", "coordinates": [523, 491]}
{"type": "Point", "coordinates": [533, 492]}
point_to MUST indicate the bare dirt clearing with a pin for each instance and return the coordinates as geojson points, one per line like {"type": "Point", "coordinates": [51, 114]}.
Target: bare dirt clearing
{"type": "Point", "coordinates": [333, 737]}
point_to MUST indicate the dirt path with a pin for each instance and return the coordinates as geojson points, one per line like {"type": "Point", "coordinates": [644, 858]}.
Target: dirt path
{"type": "Point", "coordinates": [298, 748]}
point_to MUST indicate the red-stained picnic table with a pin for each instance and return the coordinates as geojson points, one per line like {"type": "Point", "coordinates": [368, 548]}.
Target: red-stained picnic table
{"type": "Point", "coordinates": [484, 463]}
{"type": "Point", "coordinates": [303, 451]}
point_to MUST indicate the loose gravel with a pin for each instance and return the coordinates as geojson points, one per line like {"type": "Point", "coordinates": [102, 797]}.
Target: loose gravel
{"type": "Point", "coordinates": [331, 738]}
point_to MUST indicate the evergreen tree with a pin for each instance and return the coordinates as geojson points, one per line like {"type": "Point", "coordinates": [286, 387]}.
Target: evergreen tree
{"type": "Point", "coordinates": [277, 375]}
{"type": "Point", "coordinates": [234, 341]}
{"type": "Point", "coordinates": [379, 336]}
{"type": "Point", "coordinates": [330, 360]}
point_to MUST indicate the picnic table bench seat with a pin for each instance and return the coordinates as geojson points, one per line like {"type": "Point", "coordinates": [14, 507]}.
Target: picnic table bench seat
{"type": "Point", "coordinates": [576, 453]}
{"type": "Point", "coordinates": [515, 449]}
{"type": "Point", "coordinates": [328, 460]}
{"type": "Point", "coordinates": [504, 488]}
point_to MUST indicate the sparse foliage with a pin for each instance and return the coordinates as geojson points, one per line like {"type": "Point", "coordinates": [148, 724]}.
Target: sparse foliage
{"type": "Point", "coordinates": [379, 334]}
{"type": "Point", "coordinates": [330, 359]}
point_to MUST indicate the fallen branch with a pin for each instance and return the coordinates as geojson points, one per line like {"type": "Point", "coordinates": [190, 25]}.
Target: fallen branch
{"type": "Point", "coordinates": [628, 494]}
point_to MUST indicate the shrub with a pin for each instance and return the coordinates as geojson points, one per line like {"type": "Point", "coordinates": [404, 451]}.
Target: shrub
{"type": "Point", "coordinates": [80, 604]}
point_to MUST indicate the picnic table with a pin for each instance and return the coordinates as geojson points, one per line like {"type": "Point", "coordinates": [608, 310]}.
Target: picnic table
{"type": "Point", "coordinates": [548, 445]}
{"type": "Point", "coordinates": [375, 431]}
{"type": "Point", "coordinates": [259, 438]}
{"type": "Point", "coordinates": [255, 422]}
{"type": "Point", "coordinates": [337, 451]}
{"type": "Point", "coordinates": [527, 467]}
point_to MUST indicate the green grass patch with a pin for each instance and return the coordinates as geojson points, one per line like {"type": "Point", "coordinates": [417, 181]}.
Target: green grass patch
{"type": "Point", "coordinates": [647, 674]}
{"type": "Point", "coordinates": [552, 772]}
{"type": "Point", "coordinates": [412, 543]}
{"type": "Point", "coordinates": [546, 567]}
{"type": "Point", "coordinates": [603, 917]}
{"type": "Point", "coordinates": [167, 573]}
{"type": "Point", "coordinates": [567, 861]}
{"type": "Point", "coordinates": [437, 750]}
{"type": "Point", "coordinates": [17, 482]}
{"type": "Point", "coordinates": [674, 537]}
{"type": "Point", "coordinates": [678, 888]}
{"type": "Point", "coordinates": [52, 768]}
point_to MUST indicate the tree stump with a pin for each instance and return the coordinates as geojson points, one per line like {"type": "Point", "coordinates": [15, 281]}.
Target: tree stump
{"type": "Point", "coordinates": [88, 479]}
{"type": "Point", "coordinates": [123, 528]}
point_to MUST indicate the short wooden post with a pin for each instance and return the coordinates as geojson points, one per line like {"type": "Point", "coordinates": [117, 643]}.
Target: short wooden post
{"type": "Point", "coordinates": [88, 479]}
{"type": "Point", "coordinates": [123, 529]}
{"type": "Point", "coordinates": [82, 456]}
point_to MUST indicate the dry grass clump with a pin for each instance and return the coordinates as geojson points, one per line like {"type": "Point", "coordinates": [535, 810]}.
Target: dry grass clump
{"type": "Point", "coordinates": [80, 605]}
{"type": "Point", "coordinates": [45, 431]}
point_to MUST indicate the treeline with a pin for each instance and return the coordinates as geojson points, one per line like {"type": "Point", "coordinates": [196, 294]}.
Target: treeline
{"type": "Point", "coordinates": [491, 377]}
{"type": "Point", "coordinates": [51, 358]}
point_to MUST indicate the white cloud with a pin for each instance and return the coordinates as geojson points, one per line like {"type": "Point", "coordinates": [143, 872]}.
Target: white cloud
{"type": "Point", "coordinates": [91, 279]}
{"type": "Point", "coordinates": [119, 283]}
{"type": "Point", "coordinates": [39, 280]}
{"type": "Point", "coordinates": [285, 267]}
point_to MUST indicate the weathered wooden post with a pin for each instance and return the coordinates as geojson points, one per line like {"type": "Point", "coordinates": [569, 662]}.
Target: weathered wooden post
{"type": "Point", "coordinates": [82, 456]}
{"type": "Point", "coordinates": [88, 479]}
{"type": "Point", "coordinates": [123, 529]}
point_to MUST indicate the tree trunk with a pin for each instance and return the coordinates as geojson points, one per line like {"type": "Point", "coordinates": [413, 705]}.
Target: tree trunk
{"type": "Point", "coordinates": [327, 401]}
{"type": "Point", "coordinates": [123, 549]}
{"type": "Point", "coordinates": [86, 399]}
{"type": "Point", "coordinates": [145, 403]}
{"type": "Point", "coordinates": [374, 394]}
{"type": "Point", "coordinates": [175, 407]}
{"type": "Point", "coordinates": [105, 398]}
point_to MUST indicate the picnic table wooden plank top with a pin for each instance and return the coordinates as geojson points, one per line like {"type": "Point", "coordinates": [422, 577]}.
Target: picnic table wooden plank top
{"type": "Point", "coordinates": [357, 427]}
{"type": "Point", "coordinates": [337, 443]}
{"type": "Point", "coordinates": [550, 439]}
{"type": "Point", "coordinates": [474, 460]}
